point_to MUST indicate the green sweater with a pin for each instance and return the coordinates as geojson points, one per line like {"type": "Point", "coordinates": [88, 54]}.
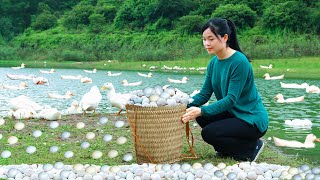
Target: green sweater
{"type": "Point", "coordinates": [232, 82]}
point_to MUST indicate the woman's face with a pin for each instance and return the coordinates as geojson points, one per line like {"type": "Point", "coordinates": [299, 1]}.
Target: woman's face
{"type": "Point", "coordinates": [212, 43]}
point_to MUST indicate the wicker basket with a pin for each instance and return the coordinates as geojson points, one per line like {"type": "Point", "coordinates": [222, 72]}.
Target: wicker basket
{"type": "Point", "coordinates": [157, 132]}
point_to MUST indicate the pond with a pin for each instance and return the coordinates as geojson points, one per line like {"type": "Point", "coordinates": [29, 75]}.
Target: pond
{"type": "Point", "coordinates": [278, 112]}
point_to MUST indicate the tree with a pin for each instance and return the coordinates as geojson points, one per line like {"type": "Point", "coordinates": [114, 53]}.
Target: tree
{"type": "Point", "coordinates": [97, 22]}
{"type": "Point", "coordinates": [44, 21]}
{"type": "Point", "coordinates": [255, 5]}
{"type": "Point", "coordinates": [290, 15]}
{"type": "Point", "coordinates": [132, 14]}
{"type": "Point", "coordinates": [78, 16]}
{"type": "Point", "coordinates": [240, 14]}
{"type": "Point", "coordinates": [6, 28]}
{"type": "Point", "coordinates": [205, 7]}
{"type": "Point", "coordinates": [190, 24]}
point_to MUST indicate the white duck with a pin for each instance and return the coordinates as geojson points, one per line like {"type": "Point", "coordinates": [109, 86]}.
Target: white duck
{"type": "Point", "coordinates": [21, 86]}
{"type": "Point", "coordinates": [23, 102]}
{"type": "Point", "coordinates": [145, 75]}
{"type": "Point", "coordinates": [294, 85]}
{"type": "Point", "coordinates": [20, 76]}
{"type": "Point", "coordinates": [74, 108]}
{"type": "Point", "coordinates": [89, 71]}
{"type": "Point", "coordinates": [194, 92]}
{"type": "Point", "coordinates": [67, 95]}
{"type": "Point", "coordinates": [40, 81]}
{"type": "Point", "coordinates": [86, 80]}
{"type": "Point", "coordinates": [20, 67]}
{"type": "Point", "coordinates": [25, 113]}
{"type": "Point", "coordinates": [280, 99]}
{"type": "Point", "coordinates": [71, 77]}
{"type": "Point", "coordinates": [90, 100]}
{"type": "Point", "coordinates": [298, 123]}
{"type": "Point", "coordinates": [116, 99]}
{"type": "Point", "coordinates": [266, 67]}
{"type": "Point", "coordinates": [313, 89]}
{"type": "Point", "coordinates": [126, 83]}
{"type": "Point", "coordinates": [49, 114]}
{"type": "Point", "coordinates": [308, 143]}
{"type": "Point", "coordinates": [267, 77]}
{"type": "Point", "coordinates": [183, 80]}
{"type": "Point", "coordinates": [48, 72]}
{"type": "Point", "coordinates": [109, 73]}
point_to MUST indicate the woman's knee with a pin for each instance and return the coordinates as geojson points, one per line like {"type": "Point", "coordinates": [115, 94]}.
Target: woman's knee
{"type": "Point", "coordinates": [208, 135]}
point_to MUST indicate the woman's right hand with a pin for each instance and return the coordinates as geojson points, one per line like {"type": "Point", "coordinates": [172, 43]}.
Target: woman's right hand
{"type": "Point", "coordinates": [191, 114]}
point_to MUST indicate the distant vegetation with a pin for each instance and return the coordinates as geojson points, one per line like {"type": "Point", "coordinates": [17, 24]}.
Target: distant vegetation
{"type": "Point", "coordinates": [152, 30]}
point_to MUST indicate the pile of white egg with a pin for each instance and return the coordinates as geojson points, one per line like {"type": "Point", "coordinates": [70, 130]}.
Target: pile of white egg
{"type": "Point", "coordinates": [242, 170]}
{"type": "Point", "coordinates": [159, 96]}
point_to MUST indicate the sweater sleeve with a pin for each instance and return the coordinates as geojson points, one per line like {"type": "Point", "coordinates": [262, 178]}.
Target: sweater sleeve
{"type": "Point", "coordinates": [238, 77]}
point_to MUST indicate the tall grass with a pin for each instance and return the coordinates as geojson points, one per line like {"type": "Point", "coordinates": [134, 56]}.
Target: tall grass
{"type": "Point", "coordinates": [298, 68]}
{"type": "Point", "coordinates": [58, 45]}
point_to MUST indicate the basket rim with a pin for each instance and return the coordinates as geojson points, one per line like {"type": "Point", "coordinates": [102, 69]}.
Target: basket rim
{"type": "Point", "coordinates": [179, 106]}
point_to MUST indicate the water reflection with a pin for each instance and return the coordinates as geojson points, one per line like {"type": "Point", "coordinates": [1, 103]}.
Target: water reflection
{"type": "Point", "coordinates": [278, 113]}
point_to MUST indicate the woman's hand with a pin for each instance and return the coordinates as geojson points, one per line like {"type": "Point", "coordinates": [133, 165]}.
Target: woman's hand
{"type": "Point", "coordinates": [191, 113]}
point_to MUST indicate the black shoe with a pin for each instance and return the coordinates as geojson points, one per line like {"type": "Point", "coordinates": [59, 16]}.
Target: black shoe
{"type": "Point", "coordinates": [258, 150]}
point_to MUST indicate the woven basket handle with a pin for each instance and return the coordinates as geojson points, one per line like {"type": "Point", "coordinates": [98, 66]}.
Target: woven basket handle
{"type": "Point", "coordinates": [191, 144]}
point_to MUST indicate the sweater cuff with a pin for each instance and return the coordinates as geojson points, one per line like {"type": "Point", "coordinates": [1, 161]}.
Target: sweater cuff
{"type": "Point", "coordinates": [204, 112]}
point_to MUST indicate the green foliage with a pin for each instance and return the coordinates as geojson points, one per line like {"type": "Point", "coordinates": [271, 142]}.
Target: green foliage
{"type": "Point", "coordinates": [94, 30]}
{"type": "Point", "coordinates": [132, 14]}
{"type": "Point", "coordinates": [240, 14]}
{"type": "Point", "coordinates": [97, 22]}
{"type": "Point", "coordinates": [78, 16]}
{"type": "Point", "coordinates": [314, 18]}
{"type": "Point", "coordinates": [108, 11]}
{"type": "Point", "coordinates": [205, 7]}
{"type": "Point", "coordinates": [6, 27]}
{"type": "Point", "coordinates": [162, 24]}
{"type": "Point", "coordinates": [44, 21]}
{"type": "Point", "coordinates": [190, 24]}
{"type": "Point", "coordinates": [169, 9]}
{"type": "Point", "coordinates": [255, 5]}
{"type": "Point", "coordinates": [289, 14]}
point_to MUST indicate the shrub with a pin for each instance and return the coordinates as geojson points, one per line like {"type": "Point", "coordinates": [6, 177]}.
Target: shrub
{"type": "Point", "coordinates": [290, 15]}
{"type": "Point", "coordinates": [190, 24]}
{"type": "Point", "coordinates": [240, 14]}
{"type": "Point", "coordinates": [44, 21]}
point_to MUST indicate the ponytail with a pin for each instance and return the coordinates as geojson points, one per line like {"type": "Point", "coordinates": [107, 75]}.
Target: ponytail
{"type": "Point", "coordinates": [232, 40]}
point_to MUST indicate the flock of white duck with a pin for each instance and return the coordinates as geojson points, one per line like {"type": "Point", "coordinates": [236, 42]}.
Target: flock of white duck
{"type": "Point", "coordinates": [295, 123]}
{"type": "Point", "coordinates": [23, 107]}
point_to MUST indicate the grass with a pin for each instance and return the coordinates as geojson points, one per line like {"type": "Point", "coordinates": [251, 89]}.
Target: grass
{"type": "Point", "coordinates": [52, 137]}
{"type": "Point", "coordinates": [299, 68]}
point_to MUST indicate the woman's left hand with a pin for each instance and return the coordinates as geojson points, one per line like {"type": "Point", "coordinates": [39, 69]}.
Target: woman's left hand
{"type": "Point", "coordinates": [191, 113]}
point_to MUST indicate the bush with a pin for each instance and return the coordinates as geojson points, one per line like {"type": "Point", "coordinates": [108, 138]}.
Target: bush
{"type": "Point", "coordinates": [190, 24]}
{"type": "Point", "coordinates": [44, 21]}
{"type": "Point", "coordinates": [240, 14]}
{"type": "Point", "coordinates": [97, 22]}
{"type": "Point", "coordinates": [78, 16]}
{"type": "Point", "coordinates": [290, 15]}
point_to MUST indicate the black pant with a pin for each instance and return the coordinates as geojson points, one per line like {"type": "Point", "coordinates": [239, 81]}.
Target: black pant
{"type": "Point", "coordinates": [229, 135]}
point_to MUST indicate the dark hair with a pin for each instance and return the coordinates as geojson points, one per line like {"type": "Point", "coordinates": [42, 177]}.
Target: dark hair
{"type": "Point", "coordinates": [220, 26]}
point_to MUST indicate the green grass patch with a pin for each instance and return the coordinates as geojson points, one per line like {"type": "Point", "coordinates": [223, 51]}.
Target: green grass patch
{"type": "Point", "coordinates": [299, 68]}
{"type": "Point", "coordinates": [52, 137]}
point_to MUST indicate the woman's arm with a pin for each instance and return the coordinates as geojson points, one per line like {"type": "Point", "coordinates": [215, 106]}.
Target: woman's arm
{"type": "Point", "coordinates": [238, 78]}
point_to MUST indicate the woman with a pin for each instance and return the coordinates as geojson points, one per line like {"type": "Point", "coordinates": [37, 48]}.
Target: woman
{"type": "Point", "coordinates": [234, 123]}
